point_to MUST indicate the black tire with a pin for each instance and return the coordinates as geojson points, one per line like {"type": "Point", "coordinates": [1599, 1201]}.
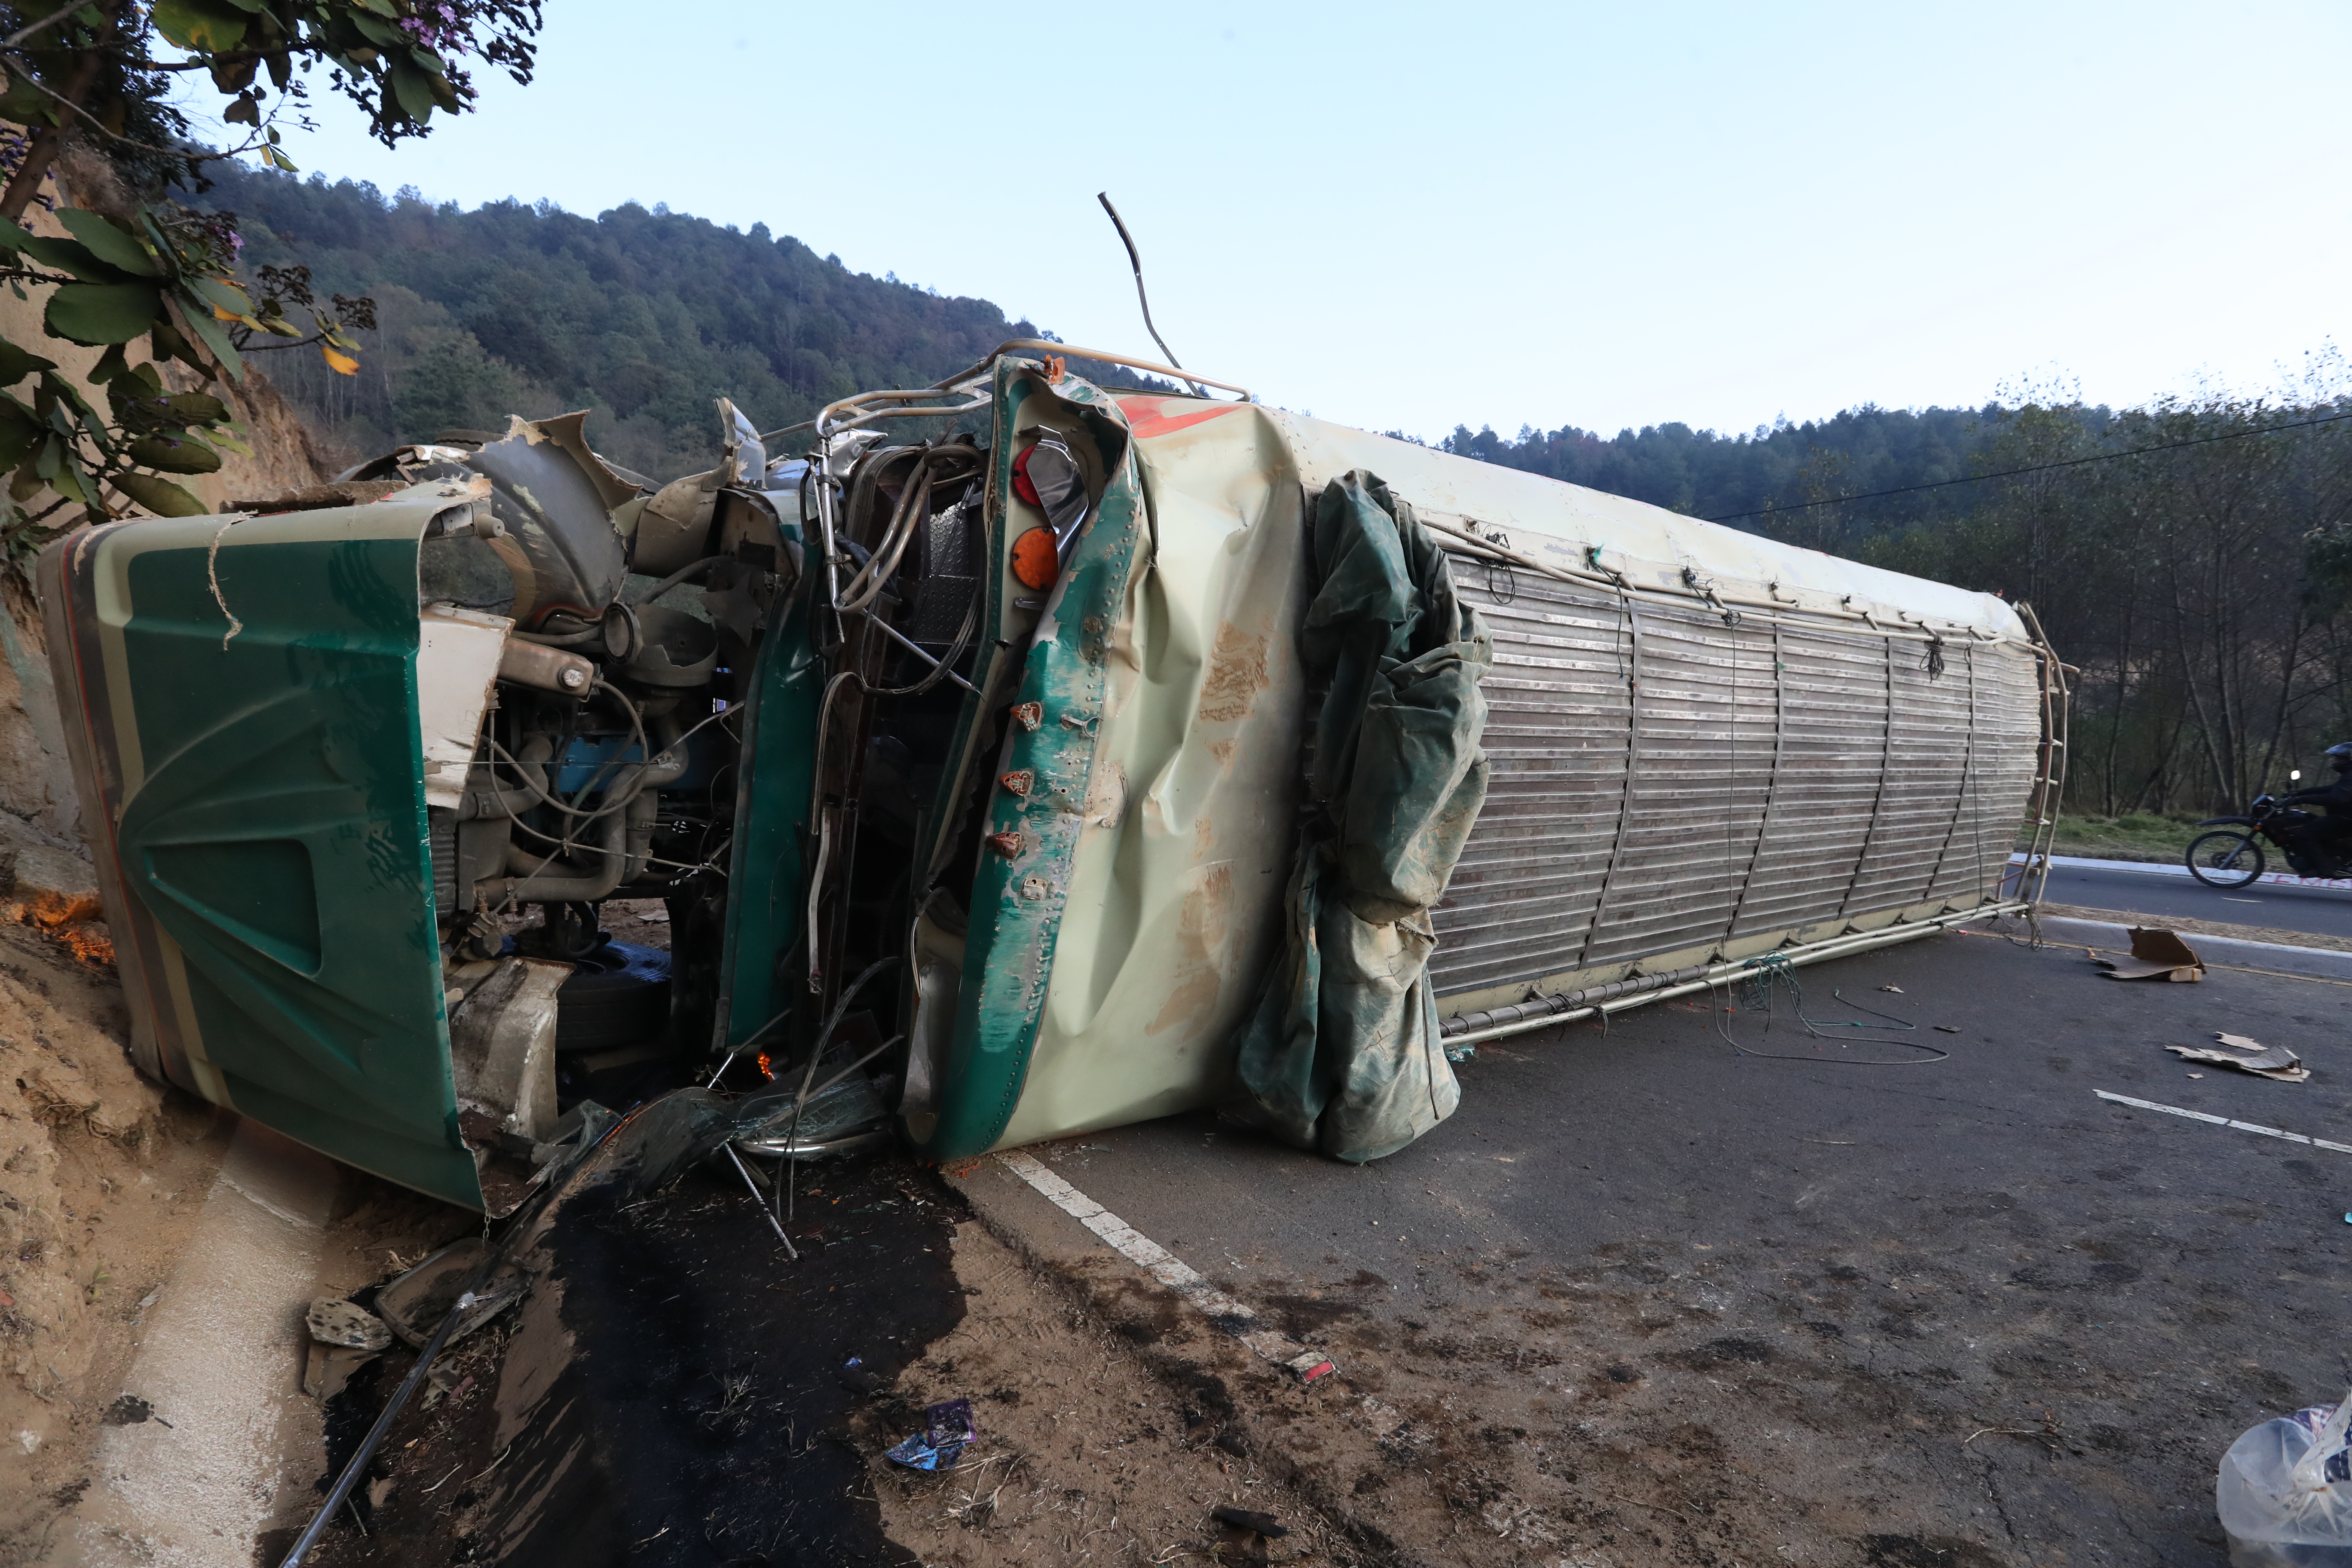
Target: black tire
{"type": "Point", "coordinates": [618, 996]}
{"type": "Point", "coordinates": [2225, 859]}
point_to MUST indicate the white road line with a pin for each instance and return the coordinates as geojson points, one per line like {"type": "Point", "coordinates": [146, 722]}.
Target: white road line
{"type": "Point", "coordinates": [1235, 1317]}
{"type": "Point", "coordinates": [2224, 1122]}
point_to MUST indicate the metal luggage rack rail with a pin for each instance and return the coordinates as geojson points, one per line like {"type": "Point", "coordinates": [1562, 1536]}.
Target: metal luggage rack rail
{"type": "Point", "coordinates": [1735, 606]}
{"type": "Point", "coordinates": [1617, 996]}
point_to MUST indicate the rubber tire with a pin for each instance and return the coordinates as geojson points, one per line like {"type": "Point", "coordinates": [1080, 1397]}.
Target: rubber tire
{"type": "Point", "coordinates": [2220, 841]}
{"type": "Point", "coordinates": [618, 996]}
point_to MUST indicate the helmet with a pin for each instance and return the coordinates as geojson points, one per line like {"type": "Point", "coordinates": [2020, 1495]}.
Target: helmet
{"type": "Point", "coordinates": [2339, 756]}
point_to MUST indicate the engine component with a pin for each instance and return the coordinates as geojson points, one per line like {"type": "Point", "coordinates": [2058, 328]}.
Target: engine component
{"type": "Point", "coordinates": [548, 669]}
{"type": "Point", "coordinates": [677, 652]}
{"type": "Point", "coordinates": [617, 995]}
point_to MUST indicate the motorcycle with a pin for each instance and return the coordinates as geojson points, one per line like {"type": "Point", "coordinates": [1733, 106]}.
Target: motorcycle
{"type": "Point", "coordinates": [2232, 857]}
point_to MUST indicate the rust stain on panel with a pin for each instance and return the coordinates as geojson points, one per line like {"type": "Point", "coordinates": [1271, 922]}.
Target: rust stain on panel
{"type": "Point", "coordinates": [1237, 675]}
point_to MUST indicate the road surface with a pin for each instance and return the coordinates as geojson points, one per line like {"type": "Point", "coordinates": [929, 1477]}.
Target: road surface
{"type": "Point", "coordinates": [1646, 1298]}
{"type": "Point", "coordinates": [2322, 911]}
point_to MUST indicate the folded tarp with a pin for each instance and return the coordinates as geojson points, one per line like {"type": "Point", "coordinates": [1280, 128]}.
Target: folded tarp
{"type": "Point", "coordinates": [1343, 1053]}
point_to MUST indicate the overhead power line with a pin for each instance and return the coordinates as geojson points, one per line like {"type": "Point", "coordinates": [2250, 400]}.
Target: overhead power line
{"type": "Point", "coordinates": [2037, 469]}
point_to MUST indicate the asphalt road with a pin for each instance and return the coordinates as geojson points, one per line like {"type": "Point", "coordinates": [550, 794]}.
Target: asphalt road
{"type": "Point", "coordinates": [2322, 911]}
{"type": "Point", "coordinates": [1962, 1312]}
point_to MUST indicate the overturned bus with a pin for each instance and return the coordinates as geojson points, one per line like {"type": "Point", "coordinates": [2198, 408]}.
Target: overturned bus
{"type": "Point", "coordinates": [1124, 754]}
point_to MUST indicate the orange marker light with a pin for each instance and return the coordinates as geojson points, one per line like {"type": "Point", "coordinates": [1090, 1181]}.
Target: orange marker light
{"type": "Point", "coordinates": [1036, 560]}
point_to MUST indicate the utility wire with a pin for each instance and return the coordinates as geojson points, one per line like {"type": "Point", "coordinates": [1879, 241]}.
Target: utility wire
{"type": "Point", "coordinates": [2037, 469]}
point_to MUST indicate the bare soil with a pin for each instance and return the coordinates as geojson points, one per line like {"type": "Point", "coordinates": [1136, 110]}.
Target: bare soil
{"type": "Point", "coordinates": [1085, 1452]}
{"type": "Point", "coordinates": [102, 1173]}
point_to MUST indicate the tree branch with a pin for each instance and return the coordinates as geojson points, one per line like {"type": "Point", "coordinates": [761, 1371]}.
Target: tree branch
{"type": "Point", "coordinates": [21, 34]}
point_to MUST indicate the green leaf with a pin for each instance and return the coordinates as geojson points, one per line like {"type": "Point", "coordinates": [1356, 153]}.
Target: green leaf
{"type": "Point", "coordinates": [173, 454]}
{"type": "Point", "coordinates": [27, 105]}
{"type": "Point", "coordinates": [197, 315]}
{"type": "Point", "coordinates": [20, 433]}
{"type": "Point", "coordinates": [377, 33]}
{"type": "Point", "coordinates": [411, 87]}
{"type": "Point", "coordinates": [198, 408]}
{"type": "Point", "coordinates": [57, 464]}
{"type": "Point", "coordinates": [110, 243]}
{"type": "Point", "coordinates": [222, 296]}
{"type": "Point", "coordinates": [97, 313]}
{"type": "Point", "coordinates": [15, 364]}
{"type": "Point", "coordinates": [166, 344]}
{"type": "Point", "coordinates": [207, 26]}
{"type": "Point", "coordinates": [159, 496]}
{"type": "Point", "coordinates": [70, 256]}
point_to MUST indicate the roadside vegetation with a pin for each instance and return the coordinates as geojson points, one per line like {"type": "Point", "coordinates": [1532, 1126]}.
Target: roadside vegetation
{"type": "Point", "coordinates": [146, 322]}
{"type": "Point", "coordinates": [2136, 836]}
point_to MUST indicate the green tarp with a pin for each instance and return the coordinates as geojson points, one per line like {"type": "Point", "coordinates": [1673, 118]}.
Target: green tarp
{"type": "Point", "coordinates": [1343, 1053]}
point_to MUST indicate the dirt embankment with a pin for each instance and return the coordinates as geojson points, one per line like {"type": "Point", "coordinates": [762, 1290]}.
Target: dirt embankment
{"type": "Point", "coordinates": [101, 1172]}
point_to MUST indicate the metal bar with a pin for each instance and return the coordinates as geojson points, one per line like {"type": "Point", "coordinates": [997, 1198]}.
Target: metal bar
{"type": "Point", "coordinates": [1878, 795]}
{"type": "Point", "coordinates": [1764, 608]}
{"type": "Point", "coordinates": [1812, 952]}
{"type": "Point", "coordinates": [340, 1492]}
{"type": "Point", "coordinates": [761, 1204]}
{"type": "Point", "coordinates": [1071, 351]}
{"type": "Point", "coordinates": [1772, 786]}
{"type": "Point", "coordinates": [1959, 796]}
{"type": "Point", "coordinates": [886, 629]}
{"type": "Point", "coordinates": [1632, 773]}
{"type": "Point", "coordinates": [2050, 789]}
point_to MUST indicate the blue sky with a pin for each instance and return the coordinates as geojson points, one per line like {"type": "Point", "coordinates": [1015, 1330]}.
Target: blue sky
{"type": "Point", "coordinates": [1407, 217]}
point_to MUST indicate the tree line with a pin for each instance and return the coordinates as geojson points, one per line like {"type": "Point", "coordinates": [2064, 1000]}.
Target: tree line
{"type": "Point", "coordinates": [2192, 558]}
{"type": "Point", "coordinates": [641, 316]}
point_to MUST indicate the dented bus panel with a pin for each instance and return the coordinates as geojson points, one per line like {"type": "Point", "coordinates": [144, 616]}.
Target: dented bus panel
{"type": "Point", "coordinates": [976, 765]}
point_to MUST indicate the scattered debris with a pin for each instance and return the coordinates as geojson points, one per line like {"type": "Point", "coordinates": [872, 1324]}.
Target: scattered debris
{"type": "Point", "coordinates": [1896, 989]}
{"type": "Point", "coordinates": [335, 1322]}
{"type": "Point", "coordinates": [128, 1410]}
{"type": "Point", "coordinates": [1948, 1028]}
{"type": "Point", "coordinates": [1266, 1524]}
{"type": "Point", "coordinates": [415, 1304]}
{"type": "Point", "coordinates": [2285, 1490]}
{"type": "Point", "coordinates": [2156, 954]}
{"type": "Point", "coordinates": [327, 1368]}
{"type": "Point", "coordinates": [2248, 1055]}
{"type": "Point", "coordinates": [946, 1427]}
{"type": "Point", "coordinates": [1247, 1534]}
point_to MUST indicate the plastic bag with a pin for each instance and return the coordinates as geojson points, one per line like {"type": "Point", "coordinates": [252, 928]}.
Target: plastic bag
{"type": "Point", "coordinates": [2284, 1493]}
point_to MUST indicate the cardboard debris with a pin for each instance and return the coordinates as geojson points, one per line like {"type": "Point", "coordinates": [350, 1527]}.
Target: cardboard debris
{"type": "Point", "coordinates": [2156, 954]}
{"type": "Point", "coordinates": [2248, 1055]}
{"type": "Point", "coordinates": [335, 1322]}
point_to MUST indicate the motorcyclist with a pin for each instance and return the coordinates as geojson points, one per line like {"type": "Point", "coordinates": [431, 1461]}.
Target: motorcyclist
{"type": "Point", "coordinates": [2332, 833]}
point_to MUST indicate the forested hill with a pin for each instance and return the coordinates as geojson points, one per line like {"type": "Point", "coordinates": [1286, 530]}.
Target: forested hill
{"type": "Point", "coordinates": [1748, 477]}
{"type": "Point", "coordinates": [646, 316]}
{"type": "Point", "coordinates": [642, 315]}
